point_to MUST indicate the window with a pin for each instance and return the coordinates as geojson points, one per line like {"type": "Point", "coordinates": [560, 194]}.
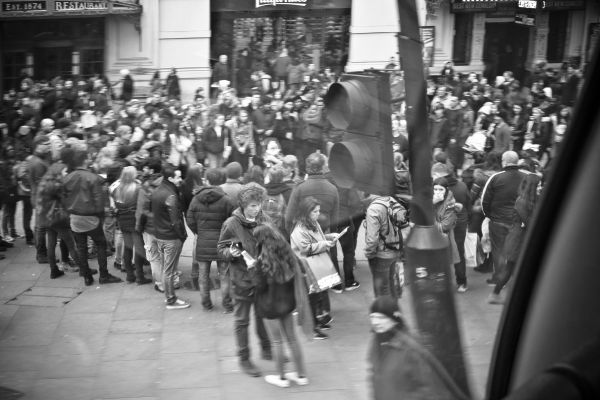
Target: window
{"type": "Point", "coordinates": [557, 36]}
{"type": "Point", "coordinates": [463, 28]}
{"type": "Point", "coordinates": [91, 62]}
{"type": "Point", "coordinates": [13, 64]}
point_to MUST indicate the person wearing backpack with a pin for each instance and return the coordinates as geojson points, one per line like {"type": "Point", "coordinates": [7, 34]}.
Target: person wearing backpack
{"type": "Point", "coordinates": [383, 242]}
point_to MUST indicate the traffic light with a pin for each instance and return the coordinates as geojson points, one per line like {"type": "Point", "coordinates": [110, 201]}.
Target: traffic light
{"type": "Point", "coordinates": [359, 104]}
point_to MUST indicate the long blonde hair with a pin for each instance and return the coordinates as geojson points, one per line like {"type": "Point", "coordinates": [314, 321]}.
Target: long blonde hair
{"type": "Point", "coordinates": [126, 191]}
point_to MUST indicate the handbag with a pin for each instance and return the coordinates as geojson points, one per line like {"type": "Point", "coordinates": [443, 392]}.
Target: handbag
{"type": "Point", "coordinates": [325, 274]}
{"type": "Point", "coordinates": [58, 217]}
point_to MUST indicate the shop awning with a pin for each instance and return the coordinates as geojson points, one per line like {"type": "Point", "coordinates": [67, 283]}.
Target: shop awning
{"type": "Point", "coordinates": [11, 9]}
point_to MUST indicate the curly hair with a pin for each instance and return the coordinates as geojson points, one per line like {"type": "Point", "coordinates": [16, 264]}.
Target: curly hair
{"type": "Point", "coordinates": [275, 253]}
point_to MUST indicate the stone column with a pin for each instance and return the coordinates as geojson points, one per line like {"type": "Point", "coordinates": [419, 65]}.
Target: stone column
{"type": "Point", "coordinates": [372, 34]}
{"type": "Point", "coordinates": [75, 60]}
{"type": "Point", "coordinates": [477, 42]}
{"type": "Point", "coordinates": [541, 37]}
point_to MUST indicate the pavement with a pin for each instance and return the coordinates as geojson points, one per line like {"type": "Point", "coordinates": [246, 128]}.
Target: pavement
{"type": "Point", "coordinates": [62, 340]}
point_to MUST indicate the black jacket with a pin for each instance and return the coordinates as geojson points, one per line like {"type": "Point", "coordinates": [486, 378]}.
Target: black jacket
{"type": "Point", "coordinates": [462, 195]}
{"type": "Point", "coordinates": [84, 193]}
{"type": "Point", "coordinates": [168, 212]}
{"type": "Point", "coordinates": [500, 193]}
{"type": "Point", "coordinates": [208, 210]}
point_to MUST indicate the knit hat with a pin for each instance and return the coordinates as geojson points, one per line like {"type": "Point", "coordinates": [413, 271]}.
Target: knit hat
{"type": "Point", "coordinates": [250, 192]}
{"type": "Point", "coordinates": [387, 305]}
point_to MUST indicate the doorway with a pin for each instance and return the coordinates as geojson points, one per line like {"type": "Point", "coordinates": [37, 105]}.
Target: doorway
{"type": "Point", "coordinates": [505, 49]}
{"type": "Point", "coordinates": [51, 62]}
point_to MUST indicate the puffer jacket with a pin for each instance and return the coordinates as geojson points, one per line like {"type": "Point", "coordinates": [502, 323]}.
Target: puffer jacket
{"type": "Point", "coordinates": [144, 217]}
{"type": "Point", "coordinates": [237, 229]}
{"type": "Point", "coordinates": [168, 212]}
{"type": "Point", "coordinates": [208, 210]}
{"type": "Point", "coordinates": [84, 193]}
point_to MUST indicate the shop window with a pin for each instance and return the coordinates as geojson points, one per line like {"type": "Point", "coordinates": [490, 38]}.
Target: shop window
{"type": "Point", "coordinates": [557, 36]}
{"type": "Point", "coordinates": [463, 29]}
{"type": "Point", "coordinates": [12, 66]}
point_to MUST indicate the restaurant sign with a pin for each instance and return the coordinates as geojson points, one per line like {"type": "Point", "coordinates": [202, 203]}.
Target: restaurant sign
{"type": "Point", "coordinates": [262, 3]}
{"type": "Point", "coordinates": [24, 8]}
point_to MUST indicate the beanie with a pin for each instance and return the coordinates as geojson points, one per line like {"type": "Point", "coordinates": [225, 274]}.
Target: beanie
{"type": "Point", "coordinates": [387, 305]}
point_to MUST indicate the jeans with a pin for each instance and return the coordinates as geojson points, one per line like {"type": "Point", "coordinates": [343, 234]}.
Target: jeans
{"type": "Point", "coordinates": [97, 236]}
{"type": "Point", "coordinates": [348, 249]}
{"type": "Point", "coordinates": [241, 318]}
{"type": "Point", "coordinates": [134, 249]}
{"type": "Point", "coordinates": [66, 239]}
{"type": "Point", "coordinates": [109, 227]}
{"type": "Point", "coordinates": [204, 281]}
{"type": "Point", "coordinates": [40, 240]}
{"type": "Point", "coordinates": [319, 305]}
{"type": "Point", "coordinates": [153, 256]}
{"type": "Point", "coordinates": [27, 213]}
{"type": "Point", "coordinates": [8, 216]}
{"type": "Point", "coordinates": [169, 252]}
{"type": "Point", "coordinates": [498, 233]}
{"type": "Point", "coordinates": [383, 271]}
{"type": "Point", "coordinates": [460, 268]}
{"type": "Point", "coordinates": [119, 246]}
{"type": "Point", "coordinates": [280, 329]}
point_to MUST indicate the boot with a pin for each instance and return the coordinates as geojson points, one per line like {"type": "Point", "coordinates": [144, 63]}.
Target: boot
{"type": "Point", "coordinates": [55, 272]}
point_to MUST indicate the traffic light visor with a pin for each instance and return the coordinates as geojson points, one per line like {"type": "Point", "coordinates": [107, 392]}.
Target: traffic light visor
{"type": "Point", "coordinates": [348, 104]}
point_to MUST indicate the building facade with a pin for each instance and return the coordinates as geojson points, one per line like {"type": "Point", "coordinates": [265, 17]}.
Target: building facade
{"type": "Point", "coordinates": [46, 38]}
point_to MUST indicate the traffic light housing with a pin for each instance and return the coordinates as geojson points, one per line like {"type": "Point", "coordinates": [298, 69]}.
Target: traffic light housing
{"type": "Point", "coordinates": [359, 104]}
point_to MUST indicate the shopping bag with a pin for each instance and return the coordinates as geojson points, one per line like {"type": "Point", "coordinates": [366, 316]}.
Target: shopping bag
{"type": "Point", "coordinates": [471, 249]}
{"type": "Point", "coordinates": [323, 271]}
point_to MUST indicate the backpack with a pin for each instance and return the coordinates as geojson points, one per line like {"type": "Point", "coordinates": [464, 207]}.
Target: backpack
{"type": "Point", "coordinates": [274, 207]}
{"type": "Point", "coordinates": [396, 220]}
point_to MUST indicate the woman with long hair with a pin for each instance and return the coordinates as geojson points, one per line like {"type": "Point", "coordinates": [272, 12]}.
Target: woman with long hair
{"type": "Point", "coordinates": [280, 290]}
{"type": "Point", "coordinates": [444, 206]}
{"type": "Point", "coordinates": [125, 194]}
{"type": "Point", "coordinates": [524, 206]}
{"type": "Point", "coordinates": [308, 239]}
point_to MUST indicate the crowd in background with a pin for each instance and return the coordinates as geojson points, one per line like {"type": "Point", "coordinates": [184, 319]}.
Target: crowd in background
{"type": "Point", "coordinates": [131, 174]}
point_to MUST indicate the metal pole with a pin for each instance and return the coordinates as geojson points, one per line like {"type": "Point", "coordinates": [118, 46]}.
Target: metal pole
{"type": "Point", "coordinates": [427, 260]}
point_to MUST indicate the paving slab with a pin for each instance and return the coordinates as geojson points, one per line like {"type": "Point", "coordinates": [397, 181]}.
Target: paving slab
{"type": "Point", "coordinates": [62, 389]}
{"type": "Point", "coordinates": [58, 366]}
{"type": "Point", "coordinates": [191, 394]}
{"type": "Point", "coordinates": [11, 289]}
{"type": "Point", "coordinates": [131, 346]}
{"type": "Point", "coordinates": [116, 379]}
{"type": "Point", "coordinates": [136, 326]}
{"type": "Point", "coordinates": [191, 370]}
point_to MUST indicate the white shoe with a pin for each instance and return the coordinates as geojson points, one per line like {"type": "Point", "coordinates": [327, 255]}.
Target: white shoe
{"type": "Point", "coordinates": [496, 298]}
{"type": "Point", "coordinates": [461, 288]}
{"type": "Point", "coordinates": [178, 304]}
{"type": "Point", "coordinates": [293, 376]}
{"type": "Point", "coordinates": [277, 381]}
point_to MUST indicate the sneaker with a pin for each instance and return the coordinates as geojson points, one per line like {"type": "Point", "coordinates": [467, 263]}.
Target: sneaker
{"type": "Point", "coordinates": [320, 335]}
{"type": "Point", "coordinates": [8, 239]}
{"type": "Point", "coordinates": [109, 279]}
{"type": "Point", "coordinates": [494, 298]}
{"type": "Point", "coordinates": [293, 376]}
{"type": "Point", "coordinates": [277, 381]}
{"type": "Point", "coordinates": [325, 319]}
{"type": "Point", "coordinates": [249, 368]}
{"type": "Point", "coordinates": [178, 304]}
{"type": "Point", "coordinates": [324, 327]}
{"type": "Point", "coordinates": [461, 288]}
{"type": "Point", "coordinates": [228, 310]}
{"type": "Point", "coordinates": [491, 282]}
{"type": "Point", "coordinates": [352, 286]}
{"type": "Point", "coordinates": [338, 289]}
{"type": "Point", "coordinates": [158, 288]}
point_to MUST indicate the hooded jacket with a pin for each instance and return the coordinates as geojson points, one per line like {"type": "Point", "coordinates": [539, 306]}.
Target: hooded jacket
{"type": "Point", "coordinates": [500, 193]}
{"type": "Point", "coordinates": [237, 229]}
{"type": "Point", "coordinates": [462, 195]}
{"type": "Point", "coordinates": [208, 210]}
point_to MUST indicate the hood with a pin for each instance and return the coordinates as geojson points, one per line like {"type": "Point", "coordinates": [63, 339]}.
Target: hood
{"type": "Point", "coordinates": [451, 179]}
{"type": "Point", "coordinates": [210, 194]}
{"type": "Point", "coordinates": [273, 189]}
{"type": "Point", "coordinates": [237, 213]}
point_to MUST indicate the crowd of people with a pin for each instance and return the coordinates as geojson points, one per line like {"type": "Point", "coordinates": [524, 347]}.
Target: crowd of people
{"type": "Point", "coordinates": [107, 175]}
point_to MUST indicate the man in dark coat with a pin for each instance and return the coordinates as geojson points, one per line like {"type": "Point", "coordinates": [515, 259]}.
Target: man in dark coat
{"type": "Point", "coordinates": [169, 230]}
{"type": "Point", "coordinates": [38, 164]}
{"type": "Point", "coordinates": [208, 210]}
{"type": "Point", "coordinates": [172, 84]}
{"type": "Point", "coordinates": [498, 203]}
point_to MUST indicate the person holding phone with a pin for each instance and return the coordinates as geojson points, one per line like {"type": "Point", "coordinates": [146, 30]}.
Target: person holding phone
{"type": "Point", "coordinates": [238, 247]}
